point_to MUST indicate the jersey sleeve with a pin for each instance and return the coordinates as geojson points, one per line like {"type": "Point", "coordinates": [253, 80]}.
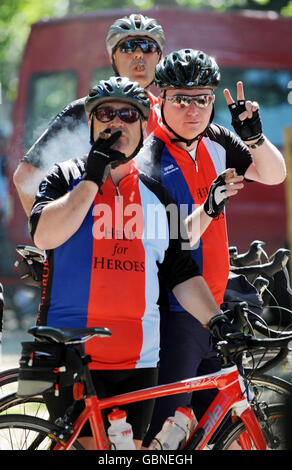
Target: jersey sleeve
{"type": "Point", "coordinates": [238, 155]}
{"type": "Point", "coordinates": [51, 144]}
{"type": "Point", "coordinates": [53, 186]}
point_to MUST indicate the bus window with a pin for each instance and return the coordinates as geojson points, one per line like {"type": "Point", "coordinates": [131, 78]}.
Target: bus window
{"type": "Point", "coordinates": [270, 88]}
{"type": "Point", "coordinates": [101, 74]}
{"type": "Point", "coordinates": [48, 94]}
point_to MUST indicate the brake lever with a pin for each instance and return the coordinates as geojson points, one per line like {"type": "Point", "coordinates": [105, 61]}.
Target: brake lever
{"type": "Point", "coordinates": [286, 273]}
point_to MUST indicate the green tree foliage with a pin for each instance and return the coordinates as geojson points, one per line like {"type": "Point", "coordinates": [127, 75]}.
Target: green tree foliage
{"type": "Point", "coordinates": [16, 16]}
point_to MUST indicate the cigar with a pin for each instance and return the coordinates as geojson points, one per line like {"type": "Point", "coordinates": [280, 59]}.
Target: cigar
{"type": "Point", "coordinates": [229, 174]}
{"type": "Point", "coordinates": [104, 135]}
{"type": "Point", "coordinates": [141, 66]}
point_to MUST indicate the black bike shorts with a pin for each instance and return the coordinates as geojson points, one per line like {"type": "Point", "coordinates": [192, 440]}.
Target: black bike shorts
{"type": "Point", "coordinates": [109, 383]}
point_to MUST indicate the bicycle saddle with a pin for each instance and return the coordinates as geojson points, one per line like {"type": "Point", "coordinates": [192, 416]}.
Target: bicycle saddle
{"type": "Point", "coordinates": [64, 335]}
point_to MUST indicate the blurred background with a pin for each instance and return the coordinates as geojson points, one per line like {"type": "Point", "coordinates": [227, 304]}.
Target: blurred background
{"type": "Point", "coordinates": [52, 51]}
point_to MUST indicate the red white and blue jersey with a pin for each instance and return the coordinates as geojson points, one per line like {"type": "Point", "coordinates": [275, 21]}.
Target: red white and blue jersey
{"type": "Point", "coordinates": [106, 274]}
{"type": "Point", "coordinates": [188, 180]}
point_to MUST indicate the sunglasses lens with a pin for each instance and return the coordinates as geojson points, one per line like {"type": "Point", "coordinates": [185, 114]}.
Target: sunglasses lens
{"type": "Point", "coordinates": [145, 46]}
{"type": "Point", "coordinates": [127, 46]}
{"type": "Point", "coordinates": [105, 114]}
{"type": "Point", "coordinates": [129, 115]}
{"type": "Point", "coordinates": [202, 101]}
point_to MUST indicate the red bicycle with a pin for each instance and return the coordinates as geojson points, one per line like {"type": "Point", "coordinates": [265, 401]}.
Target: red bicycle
{"type": "Point", "coordinates": [254, 425]}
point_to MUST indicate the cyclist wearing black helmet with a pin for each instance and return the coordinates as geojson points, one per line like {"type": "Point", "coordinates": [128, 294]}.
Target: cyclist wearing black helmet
{"type": "Point", "coordinates": [134, 44]}
{"type": "Point", "coordinates": [102, 263]}
{"type": "Point", "coordinates": [202, 164]}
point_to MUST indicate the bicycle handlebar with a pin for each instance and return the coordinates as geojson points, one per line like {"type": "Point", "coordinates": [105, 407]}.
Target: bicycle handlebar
{"type": "Point", "coordinates": [239, 316]}
{"type": "Point", "coordinates": [266, 270]}
{"type": "Point", "coordinates": [269, 332]}
{"type": "Point", "coordinates": [252, 256]}
{"type": "Point", "coordinates": [237, 344]}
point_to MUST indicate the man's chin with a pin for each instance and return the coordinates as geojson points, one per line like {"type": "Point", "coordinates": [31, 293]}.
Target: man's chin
{"type": "Point", "coordinates": [139, 76]}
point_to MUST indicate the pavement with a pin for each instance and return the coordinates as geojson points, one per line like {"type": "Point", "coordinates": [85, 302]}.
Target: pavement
{"type": "Point", "coordinates": [12, 336]}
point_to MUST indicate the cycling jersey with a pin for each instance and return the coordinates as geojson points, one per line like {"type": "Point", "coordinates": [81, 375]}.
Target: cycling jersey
{"type": "Point", "coordinates": [106, 274]}
{"type": "Point", "coordinates": [188, 178]}
{"type": "Point", "coordinates": [67, 135]}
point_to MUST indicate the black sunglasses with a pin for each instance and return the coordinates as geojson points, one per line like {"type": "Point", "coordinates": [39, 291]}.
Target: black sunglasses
{"type": "Point", "coordinates": [107, 114]}
{"type": "Point", "coordinates": [146, 46]}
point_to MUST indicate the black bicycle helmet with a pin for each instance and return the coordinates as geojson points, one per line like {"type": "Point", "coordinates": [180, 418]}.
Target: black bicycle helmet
{"type": "Point", "coordinates": [134, 25]}
{"type": "Point", "coordinates": [187, 68]}
{"type": "Point", "coordinates": [118, 89]}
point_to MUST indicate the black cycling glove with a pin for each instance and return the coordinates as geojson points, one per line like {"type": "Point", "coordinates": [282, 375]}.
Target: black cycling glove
{"type": "Point", "coordinates": [216, 199]}
{"type": "Point", "coordinates": [220, 327]}
{"type": "Point", "coordinates": [101, 158]}
{"type": "Point", "coordinates": [249, 128]}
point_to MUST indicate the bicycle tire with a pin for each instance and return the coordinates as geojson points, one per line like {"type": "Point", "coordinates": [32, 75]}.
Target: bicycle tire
{"type": "Point", "coordinates": [33, 406]}
{"type": "Point", "coordinates": [276, 416]}
{"type": "Point", "coordinates": [8, 376]}
{"type": "Point", "coordinates": [282, 388]}
{"type": "Point", "coordinates": [10, 400]}
{"type": "Point", "coordinates": [36, 432]}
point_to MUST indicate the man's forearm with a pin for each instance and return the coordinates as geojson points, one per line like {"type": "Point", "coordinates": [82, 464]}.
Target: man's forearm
{"type": "Point", "coordinates": [60, 219]}
{"type": "Point", "coordinates": [196, 224]}
{"type": "Point", "coordinates": [26, 179]}
{"type": "Point", "coordinates": [268, 165]}
{"type": "Point", "coordinates": [196, 298]}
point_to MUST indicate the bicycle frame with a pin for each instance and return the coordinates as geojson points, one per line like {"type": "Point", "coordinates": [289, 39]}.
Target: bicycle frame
{"type": "Point", "coordinates": [231, 396]}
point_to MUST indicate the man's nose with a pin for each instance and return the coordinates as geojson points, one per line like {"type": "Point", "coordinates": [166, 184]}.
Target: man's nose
{"type": "Point", "coordinates": [193, 108]}
{"type": "Point", "coordinates": [117, 121]}
{"type": "Point", "coordinates": [138, 52]}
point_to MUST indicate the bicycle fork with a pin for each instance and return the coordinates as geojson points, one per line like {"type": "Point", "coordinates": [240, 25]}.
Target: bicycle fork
{"type": "Point", "coordinates": [253, 432]}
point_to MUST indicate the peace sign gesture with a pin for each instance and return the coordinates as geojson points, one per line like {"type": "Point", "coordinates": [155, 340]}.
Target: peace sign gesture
{"type": "Point", "coordinates": [245, 115]}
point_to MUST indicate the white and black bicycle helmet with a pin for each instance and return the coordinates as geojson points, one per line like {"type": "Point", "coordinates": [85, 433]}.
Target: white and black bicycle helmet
{"type": "Point", "coordinates": [134, 25]}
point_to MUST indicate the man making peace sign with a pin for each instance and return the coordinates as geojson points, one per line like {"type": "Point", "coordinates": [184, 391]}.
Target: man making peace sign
{"type": "Point", "coordinates": [202, 164]}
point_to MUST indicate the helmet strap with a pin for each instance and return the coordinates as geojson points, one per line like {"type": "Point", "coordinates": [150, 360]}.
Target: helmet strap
{"type": "Point", "coordinates": [139, 146]}
{"type": "Point", "coordinates": [91, 130]}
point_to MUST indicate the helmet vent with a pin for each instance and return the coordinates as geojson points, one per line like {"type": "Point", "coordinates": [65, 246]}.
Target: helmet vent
{"type": "Point", "coordinates": [108, 86]}
{"type": "Point", "coordinates": [128, 88]}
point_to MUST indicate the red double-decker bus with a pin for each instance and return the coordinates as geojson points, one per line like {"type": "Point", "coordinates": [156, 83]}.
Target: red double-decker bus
{"type": "Point", "coordinates": [64, 57]}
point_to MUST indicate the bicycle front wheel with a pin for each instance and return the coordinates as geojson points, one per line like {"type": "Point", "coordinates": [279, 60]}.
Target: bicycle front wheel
{"type": "Point", "coordinates": [270, 389]}
{"type": "Point", "coordinates": [19, 432]}
{"type": "Point", "coordinates": [273, 429]}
